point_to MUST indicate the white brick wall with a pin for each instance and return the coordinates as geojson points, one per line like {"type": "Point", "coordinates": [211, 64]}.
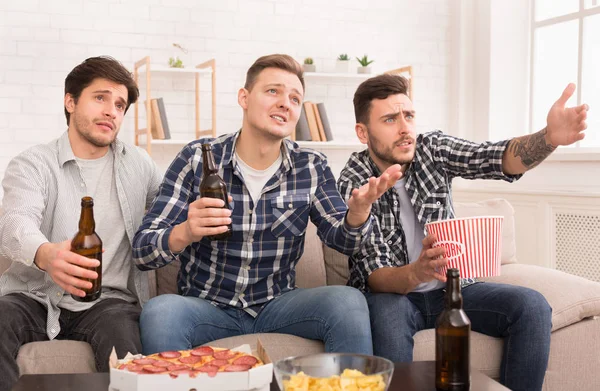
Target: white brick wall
{"type": "Point", "coordinates": [41, 41]}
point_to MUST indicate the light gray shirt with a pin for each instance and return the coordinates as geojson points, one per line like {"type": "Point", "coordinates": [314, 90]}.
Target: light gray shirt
{"type": "Point", "coordinates": [414, 233]}
{"type": "Point", "coordinates": [110, 226]}
{"type": "Point", "coordinates": [43, 187]}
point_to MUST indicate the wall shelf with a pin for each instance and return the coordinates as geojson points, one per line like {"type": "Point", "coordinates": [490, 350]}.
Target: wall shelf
{"type": "Point", "coordinates": [144, 66]}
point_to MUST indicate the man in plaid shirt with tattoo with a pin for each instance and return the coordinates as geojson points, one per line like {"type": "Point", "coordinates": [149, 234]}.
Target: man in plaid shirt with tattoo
{"type": "Point", "coordinates": [396, 268]}
{"type": "Point", "coordinates": [246, 284]}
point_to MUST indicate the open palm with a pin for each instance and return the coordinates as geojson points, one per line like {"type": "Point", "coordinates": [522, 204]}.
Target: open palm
{"type": "Point", "coordinates": [566, 124]}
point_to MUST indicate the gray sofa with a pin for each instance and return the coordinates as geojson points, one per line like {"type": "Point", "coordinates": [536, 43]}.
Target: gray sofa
{"type": "Point", "coordinates": [575, 344]}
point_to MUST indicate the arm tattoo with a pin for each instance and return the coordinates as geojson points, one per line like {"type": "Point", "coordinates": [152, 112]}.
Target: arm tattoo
{"type": "Point", "coordinates": [532, 149]}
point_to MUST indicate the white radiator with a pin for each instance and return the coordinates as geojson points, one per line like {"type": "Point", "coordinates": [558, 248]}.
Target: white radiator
{"type": "Point", "coordinates": [577, 244]}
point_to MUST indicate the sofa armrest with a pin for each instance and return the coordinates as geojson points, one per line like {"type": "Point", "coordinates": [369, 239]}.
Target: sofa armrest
{"type": "Point", "coordinates": [572, 298]}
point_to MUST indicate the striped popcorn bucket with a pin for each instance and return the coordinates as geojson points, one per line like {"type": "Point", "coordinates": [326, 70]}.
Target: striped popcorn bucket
{"type": "Point", "coordinates": [473, 244]}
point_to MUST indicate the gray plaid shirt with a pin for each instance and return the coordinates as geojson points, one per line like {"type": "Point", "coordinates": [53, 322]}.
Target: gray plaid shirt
{"type": "Point", "coordinates": [43, 187]}
{"type": "Point", "coordinates": [438, 159]}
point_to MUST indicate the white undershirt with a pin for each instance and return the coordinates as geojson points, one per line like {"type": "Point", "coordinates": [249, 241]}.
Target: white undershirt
{"type": "Point", "coordinates": [255, 180]}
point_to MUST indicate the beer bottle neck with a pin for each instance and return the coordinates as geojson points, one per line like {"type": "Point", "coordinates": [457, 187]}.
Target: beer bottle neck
{"type": "Point", "coordinates": [454, 297]}
{"type": "Point", "coordinates": [208, 161]}
{"type": "Point", "coordinates": [87, 225]}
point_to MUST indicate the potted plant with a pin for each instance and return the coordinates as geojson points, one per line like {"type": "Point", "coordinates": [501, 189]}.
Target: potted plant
{"type": "Point", "coordinates": [342, 65]}
{"type": "Point", "coordinates": [308, 65]}
{"type": "Point", "coordinates": [176, 61]}
{"type": "Point", "coordinates": [364, 62]}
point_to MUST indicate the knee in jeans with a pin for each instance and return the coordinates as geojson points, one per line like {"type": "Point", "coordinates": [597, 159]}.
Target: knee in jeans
{"type": "Point", "coordinates": [347, 299]}
{"type": "Point", "coordinates": [160, 309]}
{"type": "Point", "coordinates": [536, 305]}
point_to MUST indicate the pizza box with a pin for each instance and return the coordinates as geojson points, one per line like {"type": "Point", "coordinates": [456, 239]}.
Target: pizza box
{"type": "Point", "coordinates": [255, 379]}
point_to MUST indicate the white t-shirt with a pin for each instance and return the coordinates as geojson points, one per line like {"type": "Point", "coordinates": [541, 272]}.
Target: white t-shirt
{"type": "Point", "coordinates": [255, 180]}
{"type": "Point", "coordinates": [414, 232]}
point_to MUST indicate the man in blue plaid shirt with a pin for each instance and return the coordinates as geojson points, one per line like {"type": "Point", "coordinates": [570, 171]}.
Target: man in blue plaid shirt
{"type": "Point", "coordinates": [246, 284]}
{"type": "Point", "coordinates": [396, 268]}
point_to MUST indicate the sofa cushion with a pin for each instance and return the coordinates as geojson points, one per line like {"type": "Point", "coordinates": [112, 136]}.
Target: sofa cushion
{"type": "Point", "coordinates": [336, 264]}
{"type": "Point", "coordinates": [56, 357]}
{"type": "Point", "coordinates": [277, 346]}
{"type": "Point", "coordinates": [572, 298]}
{"type": "Point", "coordinates": [310, 270]}
{"type": "Point", "coordinates": [166, 278]}
{"type": "Point", "coordinates": [494, 207]}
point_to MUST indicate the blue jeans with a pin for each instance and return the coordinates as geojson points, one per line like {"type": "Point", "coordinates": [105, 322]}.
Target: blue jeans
{"type": "Point", "coordinates": [336, 315]}
{"type": "Point", "coordinates": [520, 315]}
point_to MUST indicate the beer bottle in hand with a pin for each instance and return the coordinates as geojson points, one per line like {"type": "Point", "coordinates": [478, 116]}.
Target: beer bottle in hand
{"type": "Point", "coordinates": [213, 186]}
{"type": "Point", "coordinates": [452, 329]}
{"type": "Point", "coordinates": [88, 244]}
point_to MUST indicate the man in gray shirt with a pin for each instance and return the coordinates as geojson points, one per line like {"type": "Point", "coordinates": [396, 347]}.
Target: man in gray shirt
{"type": "Point", "coordinates": [43, 187]}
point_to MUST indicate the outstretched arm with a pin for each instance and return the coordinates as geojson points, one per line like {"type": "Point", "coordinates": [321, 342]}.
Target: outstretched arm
{"type": "Point", "coordinates": [564, 127]}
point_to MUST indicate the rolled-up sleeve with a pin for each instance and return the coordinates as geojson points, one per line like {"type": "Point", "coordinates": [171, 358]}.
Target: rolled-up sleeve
{"type": "Point", "coordinates": [170, 207]}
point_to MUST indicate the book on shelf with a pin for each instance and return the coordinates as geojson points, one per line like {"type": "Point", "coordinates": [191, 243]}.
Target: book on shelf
{"type": "Point", "coordinates": [155, 127]}
{"type": "Point", "coordinates": [311, 118]}
{"type": "Point", "coordinates": [163, 118]}
{"type": "Point", "coordinates": [302, 128]}
{"type": "Point", "coordinates": [319, 123]}
{"type": "Point", "coordinates": [325, 121]}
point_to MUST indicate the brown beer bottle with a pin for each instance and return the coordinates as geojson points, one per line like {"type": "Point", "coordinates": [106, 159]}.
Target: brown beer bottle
{"type": "Point", "coordinates": [452, 330]}
{"type": "Point", "coordinates": [88, 244]}
{"type": "Point", "coordinates": [213, 186]}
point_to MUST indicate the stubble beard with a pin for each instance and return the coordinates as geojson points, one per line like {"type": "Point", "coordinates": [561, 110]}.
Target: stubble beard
{"type": "Point", "coordinates": [84, 127]}
{"type": "Point", "coordinates": [386, 155]}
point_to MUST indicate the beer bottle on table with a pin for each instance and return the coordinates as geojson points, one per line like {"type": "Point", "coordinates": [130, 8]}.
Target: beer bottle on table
{"type": "Point", "coordinates": [213, 186]}
{"type": "Point", "coordinates": [88, 244]}
{"type": "Point", "coordinates": [452, 331]}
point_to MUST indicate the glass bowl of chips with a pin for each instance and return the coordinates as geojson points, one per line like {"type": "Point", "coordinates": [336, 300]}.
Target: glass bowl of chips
{"type": "Point", "coordinates": [334, 372]}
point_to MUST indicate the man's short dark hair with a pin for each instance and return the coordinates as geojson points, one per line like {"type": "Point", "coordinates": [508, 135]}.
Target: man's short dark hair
{"type": "Point", "coordinates": [279, 61]}
{"type": "Point", "coordinates": [378, 87]}
{"type": "Point", "coordinates": [102, 67]}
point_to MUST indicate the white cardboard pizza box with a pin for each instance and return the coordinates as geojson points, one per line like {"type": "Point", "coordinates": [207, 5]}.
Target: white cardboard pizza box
{"type": "Point", "coordinates": [256, 379]}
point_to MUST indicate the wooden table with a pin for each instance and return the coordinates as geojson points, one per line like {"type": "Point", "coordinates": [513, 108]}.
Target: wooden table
{"type": "Point", "coordinates": [416, 376]}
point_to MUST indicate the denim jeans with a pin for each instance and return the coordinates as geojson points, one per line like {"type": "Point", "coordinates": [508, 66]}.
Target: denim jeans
{"type": "Point", "coordinates": [110, 322]}
{"type": "Point", "coordinates": [336, 315]}
{"type": "Point", "coordinates": [520, 315]}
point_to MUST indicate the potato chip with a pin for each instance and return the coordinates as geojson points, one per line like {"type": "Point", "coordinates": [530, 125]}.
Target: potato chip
{"type": "Point", "coordinates": [349, 380]}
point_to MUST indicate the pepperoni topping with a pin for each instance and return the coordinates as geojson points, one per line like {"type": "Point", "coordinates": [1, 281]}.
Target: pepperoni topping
{"type": "Point", "coordinates": [177, 367]}
{"type": "Point", "coordinates": [202, 351]}
{"type": "Point", "coordinates": [190, 359]}
{"type": "Point", "coordinates": [171, 354]}
{"type": "Point", "coordinates": [144, 361]}
{"type": "Point", "coordinates": [162, 364]}
{"type": "Point", "coordinates": [154, 369]}
{"type": "Point", "coordinates": [210, 369]}
{"type": "Point", "coordinates": [218, 363]}
{"type": "Point", "coordinates": [237, 368]}
{"type": "Point", "coordinates": [225, 354]}
{"type": "Point", "coordinates": [246, 360]}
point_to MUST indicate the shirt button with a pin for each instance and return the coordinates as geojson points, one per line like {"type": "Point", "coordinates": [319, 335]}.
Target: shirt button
{"type": "Point", "coordinates": [58, 294]}
{"type": "Point", "coordinates": [438, 203]}
{"type": "Point", "coordinates": [248, 267]}
{"type": "Point", "coordinates": [251, 240]}
{"type": "Point", "coordinates": [250, 212]}
{"type": "Point", "coordinates": [290, 205]}
{"type": "Point", "coordinates": [389, 242]}
{"type": "Point", "coordinates": [241, 295]}
{"type": "Point", "coordinates": [82, 184]}
{"type": "Point", "coordinates": [53, 330]}
{"type": "Point", "coordinates": [396, 203]}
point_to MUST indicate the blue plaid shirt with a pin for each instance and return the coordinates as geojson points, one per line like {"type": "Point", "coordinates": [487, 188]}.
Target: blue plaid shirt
{"type": "Point", "coordinates": [257, 263]}
{"type": "Point", "coordinates": [438, 159]}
